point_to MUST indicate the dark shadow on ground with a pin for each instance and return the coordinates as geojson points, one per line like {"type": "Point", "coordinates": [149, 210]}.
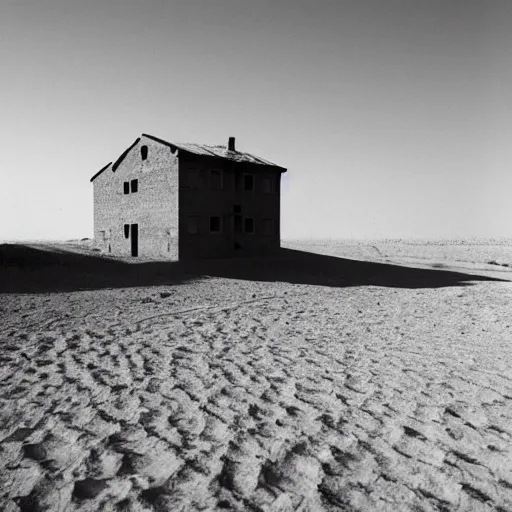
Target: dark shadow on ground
{"type": "Point", "coordinates": [26, 269]}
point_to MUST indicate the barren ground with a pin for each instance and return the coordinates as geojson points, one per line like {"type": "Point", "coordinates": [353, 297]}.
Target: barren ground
{"type": "Point", "coordinates": [218, 393]}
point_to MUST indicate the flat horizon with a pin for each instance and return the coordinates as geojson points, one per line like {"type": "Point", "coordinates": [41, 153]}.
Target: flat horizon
{"type": "Point", "coordinates": [393, 118]}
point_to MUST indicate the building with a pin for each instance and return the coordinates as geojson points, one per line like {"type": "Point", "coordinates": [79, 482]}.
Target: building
{"type": "Point", "coordinates": [175, 201]}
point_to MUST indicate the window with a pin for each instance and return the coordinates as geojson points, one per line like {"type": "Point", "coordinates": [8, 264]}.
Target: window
{"type": "Point", "coordinates": [195, 178]}
{"type": "Point", "coordinates": [127, 230]}
{"type": "Point", "coordinates": [193, 224]}
{"type": "Point", "coordinates": [237, 208]}
{"type": "Point", "coordinates": [134, 185]}
{"type": "Point", "coordinates": [248, 182]}
{"type": "Point", "coordinates": [126, 187]}
{"type": "Point", "coordinates": [144, 152]}
{"type": "Point", "coordinates": [249, 225]}
{"type": "Point", "coordinates": [216, 179]}
{"type": "Point", "coordinates": [268, 226]}
{"type": "Point", "coordinates": [268, 185]}
{"type": "Point", "coordinates": [215, 225]}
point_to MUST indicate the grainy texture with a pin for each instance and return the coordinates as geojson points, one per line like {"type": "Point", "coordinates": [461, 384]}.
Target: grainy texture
{"type": "Point", "coordinates": [154, 207]}
{"type": "Point", "coordinates": [231, 394]}
{"type": "Point", "coordinates": [204, 202]}
{"type": "Point", "coordinates": [167, 195]}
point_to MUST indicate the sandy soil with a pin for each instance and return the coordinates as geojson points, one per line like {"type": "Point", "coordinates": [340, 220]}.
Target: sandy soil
{"type": "Point", "coordinates": [216, 393]}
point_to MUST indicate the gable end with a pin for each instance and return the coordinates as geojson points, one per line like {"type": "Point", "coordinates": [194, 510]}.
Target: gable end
{"type": "Point", "coordinates": [100, 171]}
{"type": "Point", "coordinates": [123, 155]}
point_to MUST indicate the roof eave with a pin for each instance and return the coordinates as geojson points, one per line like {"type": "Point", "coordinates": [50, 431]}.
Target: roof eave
{"type": "Point", "coordinates": [175, 147]}
{"type": "Point", "coordinates": [123, 155]}
{"type": "Point", "coordinates": [161, 141]}
{"type": "Point", "coordinates": [100, 171]}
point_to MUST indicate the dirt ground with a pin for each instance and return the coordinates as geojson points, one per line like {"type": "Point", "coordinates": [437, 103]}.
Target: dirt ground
{"type": "Point", "coordinates": [304, 383]}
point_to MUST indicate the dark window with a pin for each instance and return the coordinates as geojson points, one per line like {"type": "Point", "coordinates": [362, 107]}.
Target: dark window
{"type": "Point", "coordinates": [135, 185]}
{"type": "Point", "coordinates": [268, 226]}
{"type": "Point", "coordinates": [193, 224]}
{"type": "Point", "coordinates": [237, 208]}
{"type": "Point", "coordinates": [268, 185]}
{"type": "Point", "coordinates": [249, 225]}
{"type": "Point", "coordinates": [215, 225]}
{"type": "Point", "coordinates": [216, 179]}
{"type": "Point", "coordinates": [144, 152]}
{"type": "Point", "coordinates": [248, 182]}
{"type": "Point", "coordinates": [126, 187]}
{"type": "Point", "coordinates": [127, 230]}
{"type": "Point", "coordinates": [195, 178]}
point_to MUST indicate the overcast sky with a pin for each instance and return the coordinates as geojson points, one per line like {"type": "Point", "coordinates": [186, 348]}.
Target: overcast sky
{"type": "Point", "coordinates": [393, 117]}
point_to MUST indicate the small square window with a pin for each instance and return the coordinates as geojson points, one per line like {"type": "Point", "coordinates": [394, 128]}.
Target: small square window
{"type": "Point", "coordinates": [248, 182]}
{"type": "Point", "coordinates": [215, 225]}
{"type": "Point", "coordinates": [268, 226]}
{"type": "Point", "coordinates": [237, 208]}
{"type": "Point", "coordinates": [134, 185]}
{"type": "Point", "coordinates": [249, 225]}
{"type": "Point", "coordinates": [216, 179]}
{"type": "Point", "coordinates": [195, 178]}
{"type": "Point", "coordinates": [126, 187]}
{"type": "Point", "coordinates": [268, 185]}
{"type": "Point", "coordinates": [127, 230]}
{"type": "Point", "coordinates": [193, 224]}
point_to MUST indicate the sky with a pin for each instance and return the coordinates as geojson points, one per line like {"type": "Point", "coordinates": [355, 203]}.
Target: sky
{"type": "Point", "coordinates": [393, 117]}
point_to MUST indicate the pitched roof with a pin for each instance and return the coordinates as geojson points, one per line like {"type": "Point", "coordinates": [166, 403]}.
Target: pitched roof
{"type": "Point", "coordinates": [117, 162]}
{"type": "Point", "coordinates": [215, 151]}
{"type": "Point", "coordinates": [101, 170]}
{"type": "Point", "coordinates": [196, 149]}
{"type": "Point", "coordinates": [123, 155]}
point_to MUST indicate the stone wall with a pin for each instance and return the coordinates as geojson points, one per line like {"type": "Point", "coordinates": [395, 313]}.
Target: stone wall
{"type": "Point", "coordinates": [204, 202]}
{"type": "Point", "coordinates": [154, 207]}
{"type": "Point", "coordinates": [171, 190]}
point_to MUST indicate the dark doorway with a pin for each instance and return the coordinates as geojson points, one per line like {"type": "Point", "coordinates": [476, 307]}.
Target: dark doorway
{"type": "Point", "coordinates": [237, 228]}
{"type": "Point", "coordinates": [238, 224]}
{"type": "Point", "coordinates": [135, 239]}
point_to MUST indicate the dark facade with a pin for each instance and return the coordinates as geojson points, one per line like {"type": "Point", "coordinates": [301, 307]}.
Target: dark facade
{"type": "Point", "coordinates": [161, 200]}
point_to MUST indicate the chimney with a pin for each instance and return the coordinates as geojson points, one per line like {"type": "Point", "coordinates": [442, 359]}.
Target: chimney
{"type": "Point", "coordinates": [231, 144]}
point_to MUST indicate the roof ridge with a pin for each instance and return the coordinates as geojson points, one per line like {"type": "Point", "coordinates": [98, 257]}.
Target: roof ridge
{"type": "Point", "coordinates": [209, 150]}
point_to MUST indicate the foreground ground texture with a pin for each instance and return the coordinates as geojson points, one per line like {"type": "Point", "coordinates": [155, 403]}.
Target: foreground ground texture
{"type": "Point", "coordinates": [225, 394]}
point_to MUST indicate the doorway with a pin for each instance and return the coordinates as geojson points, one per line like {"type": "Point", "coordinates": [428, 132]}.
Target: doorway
{"type": "Point", "coordinates": [134, 238]}
{"type": "Point", "coordinates": [237, 228]}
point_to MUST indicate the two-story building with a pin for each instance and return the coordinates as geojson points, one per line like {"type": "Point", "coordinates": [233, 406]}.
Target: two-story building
{"type": "Point", "coordinates": [164, 200]}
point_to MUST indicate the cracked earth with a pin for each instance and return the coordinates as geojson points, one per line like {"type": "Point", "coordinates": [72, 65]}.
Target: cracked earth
{"type": "Point", "coordinates": [235, 395]}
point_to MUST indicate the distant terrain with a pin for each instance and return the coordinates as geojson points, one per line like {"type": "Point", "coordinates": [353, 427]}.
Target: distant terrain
{"type": "Point", "coordinates": [497, 252]}
{"type": "Point", "coordinates": [334, 376]}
